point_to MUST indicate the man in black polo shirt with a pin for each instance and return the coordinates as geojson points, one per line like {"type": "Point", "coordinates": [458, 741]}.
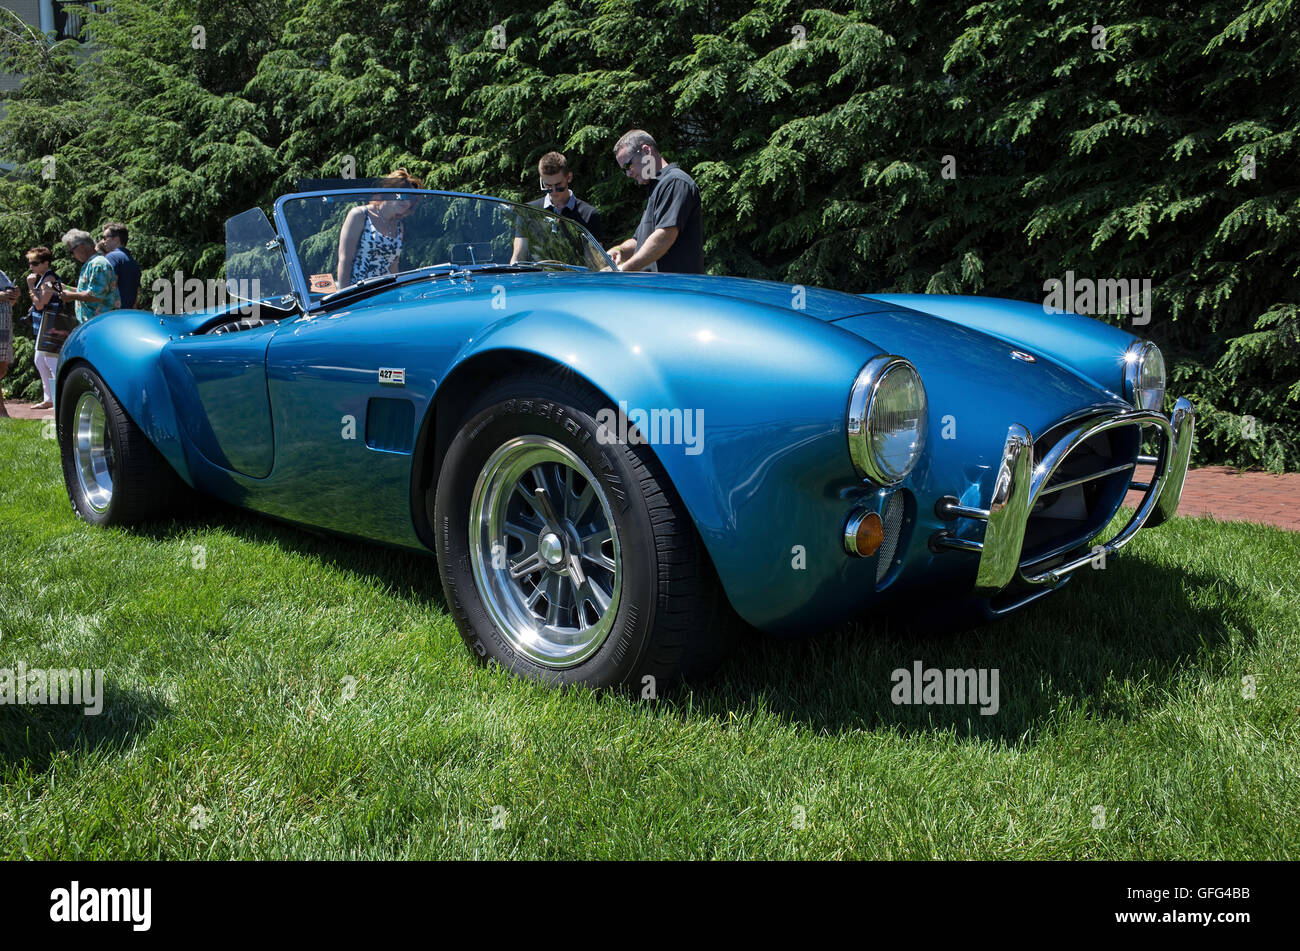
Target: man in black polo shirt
{"type": "Point", "coordinates": [556, 180]}
{"type": "Point", "coordinates": [671, 234]}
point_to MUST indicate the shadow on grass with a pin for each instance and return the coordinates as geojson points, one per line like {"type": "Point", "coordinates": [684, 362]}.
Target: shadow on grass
{"type": "Point", "coordinates": [405, 573]}
{"type": "Point", "coordinates": [34, 735]}
{"type": "Point", "coordinates": [1111, 644]}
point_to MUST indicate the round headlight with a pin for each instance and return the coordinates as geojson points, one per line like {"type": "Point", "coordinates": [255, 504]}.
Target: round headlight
{"type": "Point", "coordinates": [887, 419]}
{"type": "Point", "coordinates": [1144, 375]}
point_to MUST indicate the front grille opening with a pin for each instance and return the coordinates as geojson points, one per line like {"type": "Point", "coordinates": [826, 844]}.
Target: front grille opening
{"type": "Point", "coordinates": [893, 525]}
{"type": "Point", "coordinates": [896, 518]}
{"type": "Point", "coordinates": [1083, 494]}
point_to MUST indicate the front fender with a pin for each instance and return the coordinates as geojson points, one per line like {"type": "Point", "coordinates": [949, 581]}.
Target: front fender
{"type": "Point", "coordinates": [769, 499]}
{"type": "Point", "coordinates": [123, 347]}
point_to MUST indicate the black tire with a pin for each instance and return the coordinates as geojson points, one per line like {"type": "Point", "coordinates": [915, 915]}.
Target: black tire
{"type": "Point", "coordinates": [672, 618]}
{"type": "Point", "coordinates": [144, 486]}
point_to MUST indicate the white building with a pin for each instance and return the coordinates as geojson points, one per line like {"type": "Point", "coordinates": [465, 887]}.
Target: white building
{"type": "Point", "coordinates": [51, 17]}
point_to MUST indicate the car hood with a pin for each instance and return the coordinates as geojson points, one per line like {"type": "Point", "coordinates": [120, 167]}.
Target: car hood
{"type": "Point", "coordinates": [817, 302]}
{"type": "Point", "coordinates": [975, 378]}
{"type": "Point", "coordinates": [798, 301]}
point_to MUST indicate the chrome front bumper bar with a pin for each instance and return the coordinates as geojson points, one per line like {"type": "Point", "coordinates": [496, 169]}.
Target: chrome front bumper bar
{"type": "Point", "coordinates": [1019, 482]}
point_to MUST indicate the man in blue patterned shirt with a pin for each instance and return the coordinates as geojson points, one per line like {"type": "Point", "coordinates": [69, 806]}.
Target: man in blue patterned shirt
{"type": "Point", "coordinates": [96, 291]}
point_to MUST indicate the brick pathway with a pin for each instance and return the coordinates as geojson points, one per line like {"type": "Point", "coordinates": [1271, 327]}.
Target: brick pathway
{"type": "Point", "coordinates": [1224, 493]}
{"type": "Point", "coordinates": [25, 411]}
{"type": "Point", "coordinates": [1233, 496]}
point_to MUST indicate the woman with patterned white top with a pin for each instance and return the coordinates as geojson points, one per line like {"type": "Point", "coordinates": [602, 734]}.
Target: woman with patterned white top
{"type": "Point", "coordinates": [370, 243]}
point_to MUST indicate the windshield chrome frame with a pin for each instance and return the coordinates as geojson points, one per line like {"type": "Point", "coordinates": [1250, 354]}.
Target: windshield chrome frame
{"type": "Point", "coordinates": [281, 224]}
{"type": "Point", "coordinates": [278, 300]}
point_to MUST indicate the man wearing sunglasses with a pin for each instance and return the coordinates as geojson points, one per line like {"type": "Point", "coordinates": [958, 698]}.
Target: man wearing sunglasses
{"type": "Point", "coordinates": [671, 234]}
{"type": "Point", "coordinates": [556, 182]}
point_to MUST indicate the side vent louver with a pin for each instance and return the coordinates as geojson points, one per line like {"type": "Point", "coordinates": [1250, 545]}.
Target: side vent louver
{"type": "Point", "coordinates": [390, 424]}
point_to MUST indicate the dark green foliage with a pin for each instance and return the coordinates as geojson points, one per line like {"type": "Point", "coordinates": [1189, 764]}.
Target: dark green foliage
{"type": "Point", "coordinates": [22, 381]}
{"type": "Point", "coordinates": [1165, 149]}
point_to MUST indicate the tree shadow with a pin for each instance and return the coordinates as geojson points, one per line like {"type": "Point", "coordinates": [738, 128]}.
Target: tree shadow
{"type": "Point", "coordinates": [32, 736]}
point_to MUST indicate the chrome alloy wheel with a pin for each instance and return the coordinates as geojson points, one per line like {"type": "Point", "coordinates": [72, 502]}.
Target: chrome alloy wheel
{"type": "Point", "coordinates": [93, 452]}
{"type": "Point", "coordinates": [545, 551]}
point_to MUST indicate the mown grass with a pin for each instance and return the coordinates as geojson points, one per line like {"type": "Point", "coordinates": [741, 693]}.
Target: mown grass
{"type": "Point", "coordinates": [231, 729]}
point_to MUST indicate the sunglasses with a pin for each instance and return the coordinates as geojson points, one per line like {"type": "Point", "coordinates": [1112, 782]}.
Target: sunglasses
{"type": "Point", "coordinates": [628, 164]}
{"type": "Point", "coordinates": [554, 188]}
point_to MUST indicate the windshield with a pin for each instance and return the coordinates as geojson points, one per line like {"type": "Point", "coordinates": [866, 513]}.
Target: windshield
{"type": "Point", "coordinates": [345, 238]}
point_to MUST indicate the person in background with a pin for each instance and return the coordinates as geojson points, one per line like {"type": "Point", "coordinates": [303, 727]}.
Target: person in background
{"type": "Point", "coordinates": [96, 291]}
{"type": "Point", "coordinates": [671, 234]}
{"type": "Point", "coordinates": [128, 272]}
{"type": "Point", "coordinates": [556, 181]}
{"type": "Point", "coordinates": [8, 295]}
{"type": "Point", "coordinates": [370, 243]}
{"type": "Point", "coordinates": [46, 292]}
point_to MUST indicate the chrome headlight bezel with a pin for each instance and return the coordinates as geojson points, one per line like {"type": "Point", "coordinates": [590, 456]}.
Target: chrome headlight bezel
{"type": "Point", "coordinates": [1143, 357]}
{"type": "Point", "coordinates": [862, 400]}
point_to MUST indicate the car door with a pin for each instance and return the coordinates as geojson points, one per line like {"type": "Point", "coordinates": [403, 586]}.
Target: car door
{"type": "Point", "coordinates": [349, 390]}
{"type": "Point", "coordinates": [218, 380]}
{"type": "Point", "coordinates": [219, 385]}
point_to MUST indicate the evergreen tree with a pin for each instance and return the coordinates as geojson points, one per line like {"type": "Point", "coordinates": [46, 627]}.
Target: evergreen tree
{"type": "Point", "coordinates": [869, 146]}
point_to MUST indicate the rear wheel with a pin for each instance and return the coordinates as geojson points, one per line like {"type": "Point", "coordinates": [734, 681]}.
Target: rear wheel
{"type": "Point", "coordinates": [113, 473]}
{"type": "Point", "coordinates": [566, 558]}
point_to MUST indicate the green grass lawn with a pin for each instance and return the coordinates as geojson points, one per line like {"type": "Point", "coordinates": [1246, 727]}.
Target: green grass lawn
{"type": "Point", "coordinates": [232, 729]}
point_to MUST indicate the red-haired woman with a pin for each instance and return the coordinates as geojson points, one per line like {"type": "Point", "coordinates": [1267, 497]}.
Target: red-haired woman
{"type": "Point", "coordinates": [46, 292]}
{"type": "Point", "coordinates": [371, 240]}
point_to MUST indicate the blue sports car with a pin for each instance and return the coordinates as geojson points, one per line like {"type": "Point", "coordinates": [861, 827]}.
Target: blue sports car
{"type": "Point", "coordinates": [614, 469]}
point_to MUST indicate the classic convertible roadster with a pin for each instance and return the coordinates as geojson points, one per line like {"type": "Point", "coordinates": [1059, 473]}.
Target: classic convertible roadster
{"type": "Point", "coordinates": [612, 468]}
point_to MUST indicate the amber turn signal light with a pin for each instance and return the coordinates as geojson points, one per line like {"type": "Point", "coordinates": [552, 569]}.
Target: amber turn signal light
{"type": "Point", "coordinates": [863, 534]}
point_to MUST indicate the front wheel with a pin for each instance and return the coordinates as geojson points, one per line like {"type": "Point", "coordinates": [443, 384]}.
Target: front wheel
{"type": "Point", "coordinates": [565, 557]}
{"type": "Point", "coordinates": [113, 473]}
